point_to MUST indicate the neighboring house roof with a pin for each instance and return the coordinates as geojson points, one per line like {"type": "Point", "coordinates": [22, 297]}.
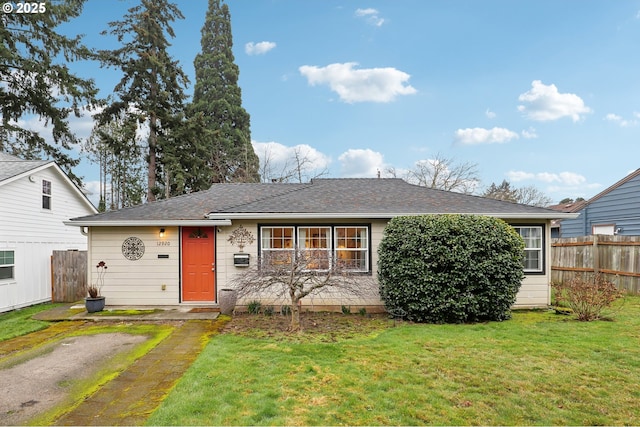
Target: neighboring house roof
{"type": "Point", "coordinates": [582, 205]}
{"type": "Point", "coordinates": [565, 207]}
{"type": "Point", "coordinates": [321, 198]}
{"type": "Point", "coordinates": [568, 207]}
{"type": "Point", "coordinates": [13, 168]}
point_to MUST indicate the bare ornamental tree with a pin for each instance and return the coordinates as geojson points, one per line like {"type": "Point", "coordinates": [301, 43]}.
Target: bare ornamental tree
{"type": "Point", "coordinates": [298, 273]}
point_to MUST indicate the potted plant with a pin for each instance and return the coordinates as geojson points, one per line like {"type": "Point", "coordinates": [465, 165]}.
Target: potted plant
{"type": "Point", "coordinates": [95, 301]}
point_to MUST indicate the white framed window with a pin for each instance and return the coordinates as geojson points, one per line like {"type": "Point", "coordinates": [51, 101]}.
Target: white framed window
{"type": "Point", "coordinates": [607, 229]}
{"type": "Point", "coordinates": [347, 245]}
{"type": "Point", "coordinates": [277, 245]}
{"type": "Point", "coordinates": [7, 265]}
{"type": "Point", "coordinates": [46, 194]}
{"type": "Point", "coordinates": [533, 236]}
{"type": "Point", "coordinates": [352, 248]}
{"type": "Point", "coordinates": [315, 244]}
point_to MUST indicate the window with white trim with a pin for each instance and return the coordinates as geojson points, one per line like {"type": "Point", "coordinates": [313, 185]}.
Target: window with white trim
{"type": "Point", "coordinates": [607, 229]}
{"type": "Point", "coordinates": [315, 243]}
{"type": "Point", "coordinates": [347, 245]}
{"type": "Point", "coordinates": [533, 247]}
{"type": "Point", "coordinates": [46, 194]}
{"type": "Point", "coordinates": [277, 245]}
{"type": "Point", "coordinates": [7, 265]}
{"type": "Point", "coordinates": [352, 247]}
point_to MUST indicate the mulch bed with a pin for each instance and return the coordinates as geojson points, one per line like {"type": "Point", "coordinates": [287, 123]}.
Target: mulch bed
{"type": "Point", "coordinates": [322, 326]}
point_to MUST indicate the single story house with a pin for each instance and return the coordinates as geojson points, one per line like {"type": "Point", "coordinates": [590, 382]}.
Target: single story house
{"type": "Point", "coordinates": [614, 211]}
{"type": "Point", "coordinates": [183, 250]}
{"type": "Point", "coordinates": [37, 197]}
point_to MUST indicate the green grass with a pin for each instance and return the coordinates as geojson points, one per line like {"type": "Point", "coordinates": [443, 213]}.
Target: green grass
{"type": "Point", "coordinates": [19, 322]}
{"type": "Point", "coordinates": [539, 368]}
{"type": "Point", "coordinates": [132, 312]}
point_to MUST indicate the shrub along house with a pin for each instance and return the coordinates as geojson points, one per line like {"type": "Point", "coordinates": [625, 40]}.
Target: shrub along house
{"type": "Point", "coordinates": [182, 250]}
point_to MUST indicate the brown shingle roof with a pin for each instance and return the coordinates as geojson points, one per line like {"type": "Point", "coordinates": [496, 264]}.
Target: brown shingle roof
{"type": "Point", "coordinates": [355, 198]}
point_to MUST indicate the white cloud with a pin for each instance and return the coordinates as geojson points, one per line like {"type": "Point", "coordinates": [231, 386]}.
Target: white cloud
{"type": "Point", "coordinates": [614, 118]}
{"type": "Point", "coordinates": [545, 103]}
{"type": "Point", "coordinates": [371, 84]}
{"type": "Point", "coordinates": [562, 178]}
{"type": "Point", "coordinates": [260, 48]}
{"type": "Point", "coordinates": [529, 133]}
{"type": "Point", "coordinates": [359, 163]}
{"type": "Point", "coordinates": [516, 176]}
{"type": "Point", "coordinates": [473, 136]}
{"type": "Point", "coordinates": [372, 16]}
{"type": "Point", "coordinates": [490, 114]}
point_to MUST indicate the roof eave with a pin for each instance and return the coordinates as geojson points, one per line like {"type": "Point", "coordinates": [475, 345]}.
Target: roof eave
{"type": "Point", "coordinates": [150, 223]}
{"type": "Point", "coordinates": [376, 215]}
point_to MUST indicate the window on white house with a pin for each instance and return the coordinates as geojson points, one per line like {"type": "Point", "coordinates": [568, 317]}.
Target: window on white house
{"type": "Point", "coordinates": [7, 265]}
{"type": "Point", "coordinates": [46, 194]}
{"type": "Point", "coordinates": [352, 247]}
{"type": "Point", "coordinates": [277, 245]}
{"type": "Point", "coordinates": [533, 248]}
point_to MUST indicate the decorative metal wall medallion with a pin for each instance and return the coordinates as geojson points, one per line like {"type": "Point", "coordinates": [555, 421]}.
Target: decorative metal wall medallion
{"type": "Point", "coordinates": [133, 248]}
{"type": "Point", "coordinates": [241, 237]}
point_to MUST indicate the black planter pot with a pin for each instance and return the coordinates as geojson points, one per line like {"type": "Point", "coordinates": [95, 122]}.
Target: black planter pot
{"type": "Point", "coordinates": [94, 304]}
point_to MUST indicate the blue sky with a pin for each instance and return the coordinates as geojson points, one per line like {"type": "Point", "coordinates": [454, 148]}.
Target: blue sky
{"type": "Point", "coordinates": [537, 92]}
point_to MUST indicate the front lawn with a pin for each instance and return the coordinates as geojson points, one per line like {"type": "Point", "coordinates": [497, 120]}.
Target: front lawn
{"type": "Point", "coordinates": [538, 368]}
{"type": "Point", "coordinates": [19, 322]}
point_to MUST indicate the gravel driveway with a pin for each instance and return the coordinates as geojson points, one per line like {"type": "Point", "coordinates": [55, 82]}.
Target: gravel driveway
{"type": "Point", "coordinates": [39, 381]}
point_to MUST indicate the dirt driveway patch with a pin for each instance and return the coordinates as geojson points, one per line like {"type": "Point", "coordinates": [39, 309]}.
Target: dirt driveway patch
{"type": "Point", "coordinates": [33, 382]}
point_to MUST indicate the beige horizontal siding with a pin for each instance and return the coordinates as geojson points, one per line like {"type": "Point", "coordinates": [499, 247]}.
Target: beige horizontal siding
{"type": "Point", "coordinates": [137, 282]}
{"type": "Point", "coordinates": [140, 282]}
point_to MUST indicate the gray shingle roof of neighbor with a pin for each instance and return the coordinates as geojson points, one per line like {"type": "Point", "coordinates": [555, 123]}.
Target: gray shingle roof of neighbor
{"type": "Point", "coordinates": [321, 198]}
{"type": "Point", "coordinates": [11, 166]}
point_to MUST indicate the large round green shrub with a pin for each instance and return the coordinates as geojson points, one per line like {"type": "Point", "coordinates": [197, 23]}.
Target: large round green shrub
{"type": "Point", "coordinates": [450, 268]}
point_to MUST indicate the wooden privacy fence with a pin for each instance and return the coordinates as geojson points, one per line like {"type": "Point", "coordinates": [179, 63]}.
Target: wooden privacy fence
{"type": "Point", "coordinates": [68, 276]}
{"type": "Point", "coordinates": [616, 258]}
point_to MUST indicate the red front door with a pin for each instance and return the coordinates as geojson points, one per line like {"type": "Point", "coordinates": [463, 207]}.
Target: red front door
{"type": "Point", "coordinates": [198, 264]}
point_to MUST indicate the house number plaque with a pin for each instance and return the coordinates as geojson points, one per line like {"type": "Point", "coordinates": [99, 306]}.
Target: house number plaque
{"type": "Point", "coordinates": [133, 248]}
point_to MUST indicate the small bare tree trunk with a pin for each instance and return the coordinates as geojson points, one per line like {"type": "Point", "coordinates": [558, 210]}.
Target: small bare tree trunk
{"type": "Point", "coordinates": [295, 325]}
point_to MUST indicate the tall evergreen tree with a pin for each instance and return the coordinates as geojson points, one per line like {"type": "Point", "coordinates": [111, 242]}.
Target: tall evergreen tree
{"type": "Point", "coordinates": [218, 98]}
{"type": "Point", "coordinates": [116, 149]}
{"type": "Point", "coordinates": [152, 88]}
{"type": "Point", "coordinates": [36, 80]}
{"type": "Point", "coordinates": [184, 166]}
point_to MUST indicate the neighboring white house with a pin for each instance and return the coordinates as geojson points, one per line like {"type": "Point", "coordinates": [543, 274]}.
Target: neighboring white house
{"type": "Point", "coordinates": [185, 249]}
{"type": "Point", "coordinates": [36, 198]}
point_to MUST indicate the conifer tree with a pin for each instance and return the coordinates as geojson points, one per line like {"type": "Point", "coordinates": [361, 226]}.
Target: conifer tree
{"type": "Point", "coordinates": [35, 79]}
{"type": "Point", "coordinates": [152, 88]}
{"type": "Point", "coordinates": [217, 97]}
